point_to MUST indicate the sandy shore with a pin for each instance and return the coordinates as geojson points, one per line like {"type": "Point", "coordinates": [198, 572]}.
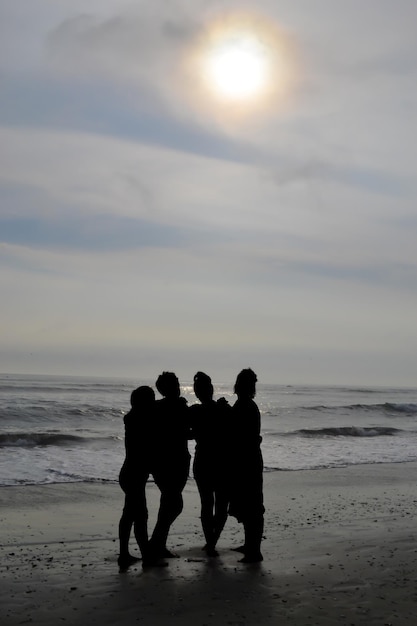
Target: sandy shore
{"type": "Point", "coordinates": [340, 548]}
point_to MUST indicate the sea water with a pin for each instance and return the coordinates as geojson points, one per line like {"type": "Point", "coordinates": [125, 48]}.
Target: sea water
{"type": "Point", "coordinates": [67, 429]}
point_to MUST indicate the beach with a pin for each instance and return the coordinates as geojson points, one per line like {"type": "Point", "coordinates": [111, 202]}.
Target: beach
{"type": "Point", "coordinates": [340, 548]}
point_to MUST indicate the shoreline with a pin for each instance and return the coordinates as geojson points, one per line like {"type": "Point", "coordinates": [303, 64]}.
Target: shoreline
{"type": "Point", "coordinates": [267, 470]}
{"type": "Point", "coordinates": [340, 547]}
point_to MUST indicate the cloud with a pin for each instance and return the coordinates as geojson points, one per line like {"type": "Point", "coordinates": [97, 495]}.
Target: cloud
{"type": "Point", "coordinates": [143, 48]}
{"type": "Point", "coordinates": [87, 192]}
{"type": "Point", "coordinates": [155, 51]}
{"type": "Point", "coordinates": [154, 308]}
{"type": "Point", "coordinates": [80, 172]}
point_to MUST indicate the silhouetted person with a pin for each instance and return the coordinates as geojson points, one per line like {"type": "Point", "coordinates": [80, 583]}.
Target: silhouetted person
{"type": "Point", "coordinates": [134, 474]}
{"type": "Point", "coordinates": [210, 427]}
{"type": "Point", "coordinates": [171, 459]}
{"type": "Point", "coordinates": [246, 501]}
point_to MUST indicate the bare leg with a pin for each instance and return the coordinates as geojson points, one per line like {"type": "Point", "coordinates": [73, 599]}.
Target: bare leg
{"type": "Point", "coordinates": [171, 505]}
{"type": "Point", "coordinates": [171, 481]}
{"type": "Point", "coordinates": [140, 524]}
{"type": "Point", "coordinates": [207, 518]}
{"type": "Point", "coordinates": [220, 513]}
{"type": "Point", "coordinates": [125, 527]}
{"type": "Point", "coordinates": [207, 498]}
{"type": "Point", "coordinates": [135, 513]}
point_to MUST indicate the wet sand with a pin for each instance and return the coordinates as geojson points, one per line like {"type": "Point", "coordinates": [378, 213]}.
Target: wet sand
{"type": "Point", "coordinates": [340, 548]}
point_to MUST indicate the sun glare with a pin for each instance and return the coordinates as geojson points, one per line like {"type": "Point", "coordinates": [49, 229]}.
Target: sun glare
{"type": "Point", "coordinates": [237, 67]}
{"type": "Point", "coordinates": [243, 62]}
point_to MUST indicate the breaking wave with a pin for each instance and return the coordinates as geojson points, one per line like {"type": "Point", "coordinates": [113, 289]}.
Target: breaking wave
{"type": "Point", "coordinates": [31, 440]}
{"type": "Point", "coordinates": [349, 431]}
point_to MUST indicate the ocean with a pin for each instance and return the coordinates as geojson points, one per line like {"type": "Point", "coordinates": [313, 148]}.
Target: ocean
{"type": "Point", "coordinates": [56, 429]}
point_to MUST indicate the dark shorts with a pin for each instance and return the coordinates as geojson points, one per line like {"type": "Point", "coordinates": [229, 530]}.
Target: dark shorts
{"type": "Point", "coordinates": [171, 474]}
{"type": "Point", "coordinates": [133, 480]}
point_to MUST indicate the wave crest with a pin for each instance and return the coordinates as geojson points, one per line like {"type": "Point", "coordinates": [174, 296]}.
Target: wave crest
{"type": "Point", "coordinates": [387, 407]}
{"type": "Point", "coordinates": [349, 431]}
{"type": "Point", "coordinates": [31, 440]}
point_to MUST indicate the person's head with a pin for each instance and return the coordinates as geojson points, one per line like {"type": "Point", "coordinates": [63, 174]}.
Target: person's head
{"type": "Point", "coordinates": [168, 385]}
{"type": "Point", "coordinates": [245, 385]}
{"type": "Point", "coordinates": [203, 387]}
{"type": "Point", "coordinates": [142, 397]}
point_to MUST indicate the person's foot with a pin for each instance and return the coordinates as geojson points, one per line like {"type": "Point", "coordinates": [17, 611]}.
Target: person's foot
{"type": "Point", "coordinates": [240, 549]}
{"type": "Point", "coordinates": [167, 554]}
{"type": "Point", "coordinates": [160, 552]}
{"type": "Point", "coordinates": [210, 550]}
{"type": "Point", "coordinates": [126, 560]}
{"type": "Point", "coordinates": [254, 557]}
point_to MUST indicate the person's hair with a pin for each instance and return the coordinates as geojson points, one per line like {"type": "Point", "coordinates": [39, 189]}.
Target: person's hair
{"type": "Point", "coordinates": [165, 382]}
{"type": "Point", "coordinates": [143, 395]}
{"type": "Point", "coordinates": [245, 384]}
{"type": "Point", "coordinates": [203, 386]}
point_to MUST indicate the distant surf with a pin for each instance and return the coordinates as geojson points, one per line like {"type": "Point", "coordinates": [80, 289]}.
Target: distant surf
{"type": "Point", "coordinates": [349, 431]}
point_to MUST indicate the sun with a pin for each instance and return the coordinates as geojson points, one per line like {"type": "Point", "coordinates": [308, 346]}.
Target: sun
{"type": "Point", "coordinates": [237, 67]}
{"type": "Point", "coordinates": [242, 62]}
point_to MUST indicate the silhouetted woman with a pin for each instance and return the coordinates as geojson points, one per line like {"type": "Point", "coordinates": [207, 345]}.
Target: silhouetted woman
{"type": "Point", "coordinates": [210, 427]}
{"type": "Point", "coordinates": [247, 481]}
{"type": "Point", "coordinates": [171, 459]}
{"type": "Point", "coordinates": [134, 474]}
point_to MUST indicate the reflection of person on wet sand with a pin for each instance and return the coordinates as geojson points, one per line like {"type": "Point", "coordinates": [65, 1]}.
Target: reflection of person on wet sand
{"type": "Point", "coordinates": [134, 474]}
{"type": "Point", "coordinates": [246, 499]}
{"type": "Point", "coordinates": [211, 429]}
{"type": "Point", "coordinates": [171, 459]}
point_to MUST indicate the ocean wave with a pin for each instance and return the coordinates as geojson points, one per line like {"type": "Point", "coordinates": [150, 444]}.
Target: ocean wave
{"type": "Point", "coordinates": [31, 440]}
{"type": "Point", "coordinates": [60, 476]}
{"type": "Point", "coordinates": [349, 431]}
{"type": "Point", "coordinates": [409, 408]}
{"type": "Point", "coordinates": [335, 465]}
{"type": "Point", "coordinates": [94, 410]}
{"type": "Point", "coordinates": [64, 479]}
{"type": "Point", "coordinates": [47, 412]}
{"type": "Point", "coordinates": [61, 386]}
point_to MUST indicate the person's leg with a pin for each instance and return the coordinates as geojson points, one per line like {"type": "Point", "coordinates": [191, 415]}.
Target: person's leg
{"type": "Point", "coordinates": [221, 505]}
{"type": "Point", "coordinates": [125, 526]}
{"type": "Point", "coordinates": [236, 507]}
{"type": "Point", "coordinates": [126, 519]}
{"type": "Point", "coordinates": [205, 489]}
{"type": "Point", "coordinates": [135, 513]}
{"type": "Point", "coordinates": [207, 521]}
{"type": "Point", "coordinates": [170, 479]}
{"type": "Point", "coordinates": [253, 512]}
{"type": "Point", "coordinates": [140, 524]}
{"type": "Point", "coordinates": [253, 537]}
{"type": "Point", "coordinates": [171, 505]}
{"type": "Point", "coordinates": [171, 484]}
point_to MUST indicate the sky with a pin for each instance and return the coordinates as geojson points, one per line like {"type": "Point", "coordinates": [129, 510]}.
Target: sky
{"type": "Point", "coordinates": [148, 223]}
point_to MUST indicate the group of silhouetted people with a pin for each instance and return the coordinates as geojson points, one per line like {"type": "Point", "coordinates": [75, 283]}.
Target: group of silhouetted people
{"type": "Point", "coordinates": [227, 465]}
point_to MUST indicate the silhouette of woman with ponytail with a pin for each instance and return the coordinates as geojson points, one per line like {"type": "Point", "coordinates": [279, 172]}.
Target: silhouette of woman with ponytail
{"type": "Point", "coordinates": [210, 427]}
